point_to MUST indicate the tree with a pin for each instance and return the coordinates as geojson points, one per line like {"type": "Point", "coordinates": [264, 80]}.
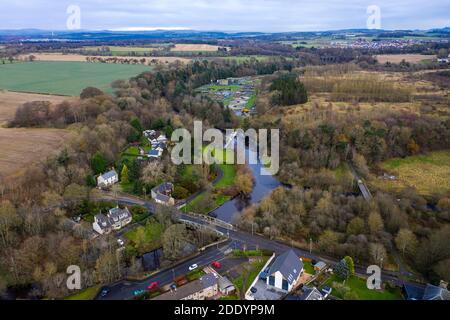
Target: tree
{"type": "Point", "coordinates": [289, 89]}
{"type": "Point", "coordinates": [375, 222]}
{"type": "Point", "coordinates": [152, 172]}
{"type": "Point", "coordinates": [350, 265]}
{"type": "Point", "coordinates": [91, 92]}
{"type": "Point", "coordinates": [98, 163]}
{"type": "Point", "coordinates": [377, 252]}
{"type": "Point", "coordinates": [342, 270]}
{"type": "Point", "coordinates": [355, 226]}
{"type": "Point", "coordinates": [124, 175]}
{"type": "Point", "coordinates": [244, 183]}
{"type": "Point", "coordinates": [328, 241]}
{"type": "Point", "coordinates": [174, 240]}
{"type": "Point", "coordinates": [406, 241]}
{"type": "Point", "coordinates": [9, 219]}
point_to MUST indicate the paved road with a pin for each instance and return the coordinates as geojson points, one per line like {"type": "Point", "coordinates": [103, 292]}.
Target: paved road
{"type": "Point", "coordinates": [237, 239]}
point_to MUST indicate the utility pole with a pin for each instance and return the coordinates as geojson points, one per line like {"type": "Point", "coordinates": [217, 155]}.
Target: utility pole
{"type": "Point", "coordinates": [310, 245]}
{"type": "Point", "coordinates": [252, 229]}
{"type": "Point", "coordinates": [173, 275]}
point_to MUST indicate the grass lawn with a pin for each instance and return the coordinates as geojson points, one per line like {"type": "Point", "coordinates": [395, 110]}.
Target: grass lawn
{"type": "Point", "coordinates": [427, 173]}
{"type": "Point", "coordinates": [195, 274]}
{"type": "Point", "coordinates": [152, 235]}
{"type": "Point", "coordinates": [253, 269]}
{"type": "Point", "coordinates": [251, 102]}
{"type": "Point", "coordinates": [359, 286]}
{"type": "Point", "coordinates": [308, 267]}
{"type": "Point", "coordinates": [64, 78]}
{"type": "Point", "coordinates": [86, 294]}
{"type": "Point", "coordinates": [229, 174]}
{"type": "Point", "coordinates": [218, 87]}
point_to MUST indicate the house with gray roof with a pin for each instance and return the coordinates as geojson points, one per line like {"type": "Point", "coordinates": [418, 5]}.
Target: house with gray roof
{"type": "Point", "coordinates": [116, 219]}
{"type": "Point", "coordinates": [203, 288]}
{"type": "Point", "coordinates": [107, 179]}
{"type": "Point", "coordinates": [284, 272]}
{"type": "Point", "coordinates": [162, 194]}
{"type": "Point", "coordinates": [429, 292]}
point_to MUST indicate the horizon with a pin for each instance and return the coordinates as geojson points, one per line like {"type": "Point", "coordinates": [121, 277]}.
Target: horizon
{"type": "Point", "coordinates": [268, 16]}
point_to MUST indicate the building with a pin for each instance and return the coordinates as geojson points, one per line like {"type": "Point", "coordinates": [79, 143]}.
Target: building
{"type": "Point", "coordinates": [284, 272]}
{"type": "Point", "coordinates": [162, 194]}
{"type": "Point", "coordinates": [310, 293]}
{"type": "Point", "coordinates": [107, 179]}
{"type": "Point", "coordinates": [201, 289]}
{"type": "Point", "coordinates": [430, 292]}
{"type": "Point", "coordinates": [115, 219]}
{"type": "Point", "coordinates": [226, 287]}
{"type": "Point", "coordinates": [319, 266]}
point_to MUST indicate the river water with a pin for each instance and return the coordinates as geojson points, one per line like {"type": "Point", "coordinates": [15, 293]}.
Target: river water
{"type": "Point", "coordinates": [264, 184]}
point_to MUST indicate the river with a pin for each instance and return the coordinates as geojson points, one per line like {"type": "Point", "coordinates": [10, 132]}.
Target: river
{"type": "Point", "coordinates": [264, 184]}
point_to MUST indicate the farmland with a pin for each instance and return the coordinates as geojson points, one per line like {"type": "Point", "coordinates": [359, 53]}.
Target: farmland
{"type": "Point", "coordinates": [21, 147]}
{"type": "Point", "coordinates": [10, 101]}
{"type": "Point", "coordinates": [195, 47]}
{"type": "Point", "coordinates": [64, 78]}
{"type": "Point", "coordinates": [397, 58]}
{"type": "Point", "coordinates": [427, 173]}
{"type": "Point", "coordinates": [82, 58]}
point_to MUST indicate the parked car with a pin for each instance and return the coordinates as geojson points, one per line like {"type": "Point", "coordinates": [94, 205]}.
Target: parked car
{"type": "Point", "coordinates": [152, 285]}
{"type": "Point", "coordinates": [173, 286]}
{"type": "Point", "coordinates": [216, 264]}
{"type": "Point", "coordinates": [138, 292]}
{"type": "Point", "coordinates": [120, 242]}
{"type": "Point", "coordinates": [253, 290]}
{"type": "Point", "coordinates": [104, 292]}
{"type": "Point", "coordinates": [193, 267]}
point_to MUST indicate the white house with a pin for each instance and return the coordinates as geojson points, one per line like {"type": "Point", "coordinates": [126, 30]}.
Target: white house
{"type": "Point", "coordinates": [284, 272]}
{"type": "Point", "coordinates": [116, 219]}
{"type": "Point", "coordinates": [162, 194]}
{"type": "Point", "coordinates": [107, 179]}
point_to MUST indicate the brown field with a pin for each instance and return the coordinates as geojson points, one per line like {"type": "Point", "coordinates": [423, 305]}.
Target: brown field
{"type": "Point", "coordinates": [82, 58]}
{"type": "Point", "coordinates": [195, 47]}
{"type": "Point", "coordinates": [10, 101]}
{"type": "Point", "coordinates": [397, 58]}
{"type": "Point", "coordinates": [21, 147]}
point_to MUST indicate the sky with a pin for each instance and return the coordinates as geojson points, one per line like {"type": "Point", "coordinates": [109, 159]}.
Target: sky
{"type": "Point", "coordinates": [222, 15]}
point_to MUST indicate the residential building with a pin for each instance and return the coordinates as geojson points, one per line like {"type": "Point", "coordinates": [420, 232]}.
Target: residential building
{"type": "Point", "coordinates": [429, 292]}
{"type": "Point", "coordinates": [201, 289]}
{"type": "Point", "coordinates": [310, 293]}
{"type": "Point", "coordinates": [284, 272]}
{"type": "Point", "coordinates": [116, 219]}
{"type": "Point", "coordinates": [107, 179]}
{"type": "Point", "coordinates": [319, 266]}
{"type": "Point", "coordinates": [162, 194]}
{"type": "Point", "coordinates": [226, 287]}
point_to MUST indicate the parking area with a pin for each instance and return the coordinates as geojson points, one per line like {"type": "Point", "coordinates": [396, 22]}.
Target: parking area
{"type": "Point", "coordinates": [263, 293]}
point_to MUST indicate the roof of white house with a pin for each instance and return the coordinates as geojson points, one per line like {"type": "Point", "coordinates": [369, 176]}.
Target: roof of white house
{"type": "Point", "coordinates": [289, 265]}
{"type": "Point", "coordinates": [109, 174]}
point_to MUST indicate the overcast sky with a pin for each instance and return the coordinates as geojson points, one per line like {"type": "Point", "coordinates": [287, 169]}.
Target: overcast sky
{"type": "Point", "coordinates": [225, 15]}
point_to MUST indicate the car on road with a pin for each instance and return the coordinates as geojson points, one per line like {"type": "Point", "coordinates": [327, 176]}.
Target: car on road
{"type": "Point", "coordinates": [253, 290]}
{"type": "Point", "coordinates": [104, 292]}
{"type": "Point", "coordinates": [152, 285]}
{"type": "Point", "coordinates": [216, 264]}
{"type": "Point", "coordinates": [193, 267]}
{"type": "Point", "coordinates": [138, 292]}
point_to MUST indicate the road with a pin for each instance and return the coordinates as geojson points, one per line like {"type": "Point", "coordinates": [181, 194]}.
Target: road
{"type": "Point", "coordinates": [365, 192]}
{"type": "Point", "coordinates": [237, 239]}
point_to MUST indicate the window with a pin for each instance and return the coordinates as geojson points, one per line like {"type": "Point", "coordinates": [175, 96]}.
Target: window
{"type": "Point", "coordinates": [285, 285]}
{"type": "Point", "coordinates": [272, 280]}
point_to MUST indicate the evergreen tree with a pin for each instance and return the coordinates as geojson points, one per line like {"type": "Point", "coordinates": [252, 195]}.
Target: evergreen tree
{"type": "Point", "coordinates": [124, 174]}
{"type": "Point", "coordinates": [98, 163]}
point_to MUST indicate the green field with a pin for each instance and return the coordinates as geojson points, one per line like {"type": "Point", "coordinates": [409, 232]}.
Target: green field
{"type": "Point", "coordinates": [427, 173]}
{"type": "Point", "coordinates": [64, 78]}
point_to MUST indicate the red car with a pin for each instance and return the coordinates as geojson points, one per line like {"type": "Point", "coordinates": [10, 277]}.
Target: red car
{"type": "Point", "coordinates": [216, 264]}
{"type": "Point", "coordinates": [152, 285]}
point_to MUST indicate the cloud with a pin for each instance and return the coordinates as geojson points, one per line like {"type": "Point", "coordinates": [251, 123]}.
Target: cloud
{"type": "Point", "coordinates": [227, 15]}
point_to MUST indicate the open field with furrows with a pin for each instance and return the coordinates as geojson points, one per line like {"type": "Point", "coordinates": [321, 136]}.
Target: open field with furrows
{"type": "Point", "coordinates": [429, 173]}
{"type": "Point", "coordinates": [82, 58]}
{"type": "Point", "coordinates": [195, 47]}
{"type": "Point", "coordinates": [22, 147]}
{"type": "Point", "coordinates": [64, 78]}
{"type": "Point", "coordinates": [10, 101]}
{"type": "Point", "coordinates": [397, 58]}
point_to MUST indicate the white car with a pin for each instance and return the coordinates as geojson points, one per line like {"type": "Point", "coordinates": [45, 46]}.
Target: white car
{"type": "Point", "coordinates": [120, 242]}
{"type": "Point", "coordinates": [193, 267]}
